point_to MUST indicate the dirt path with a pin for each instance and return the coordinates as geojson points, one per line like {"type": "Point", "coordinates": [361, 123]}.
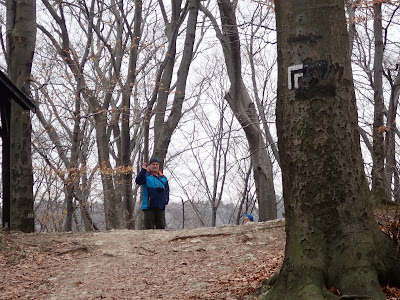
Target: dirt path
{"type": "Point", "coordinates": [206, 263]}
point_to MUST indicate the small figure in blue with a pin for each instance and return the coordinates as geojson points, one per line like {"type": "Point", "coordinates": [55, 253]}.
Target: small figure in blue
{"type": "Point", "coordinates": [248, 218]}
{"type": "Point", "coordinates": [155, 193]}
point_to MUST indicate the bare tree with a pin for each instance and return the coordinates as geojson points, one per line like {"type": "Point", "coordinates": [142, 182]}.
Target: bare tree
{"type": "Point", "coordinates": [244, 109]}
{"type": "Point", "coordinates": [219, 137]}
{"type": "Point", "coordinates": [259, 41]}
{"type": "Point", "coordinates": [103, 88]}
{"type": "Point", "coordinates": [164, 74]}
{"type": "Point", "coordinates": [163, 130]}
{"type": "Point", "coordinates": [374, 51]}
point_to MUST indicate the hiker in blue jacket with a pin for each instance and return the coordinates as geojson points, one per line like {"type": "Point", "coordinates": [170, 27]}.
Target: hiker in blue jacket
{"type": "Point", "coordinates": [155, 194]}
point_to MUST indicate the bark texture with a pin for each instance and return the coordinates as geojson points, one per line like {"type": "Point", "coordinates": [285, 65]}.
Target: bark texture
{"type": "Point", "coordinates": [332, 237]}
{"type": "Point", "coordinates": [21, 38]}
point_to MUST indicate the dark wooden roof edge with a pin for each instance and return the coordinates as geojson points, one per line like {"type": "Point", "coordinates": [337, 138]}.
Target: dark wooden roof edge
{"type": "Point", "coordinates": [20, 97]}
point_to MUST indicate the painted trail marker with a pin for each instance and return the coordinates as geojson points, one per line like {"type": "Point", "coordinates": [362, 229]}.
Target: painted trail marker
{"type": "Point", "coordinates": [300, 76]}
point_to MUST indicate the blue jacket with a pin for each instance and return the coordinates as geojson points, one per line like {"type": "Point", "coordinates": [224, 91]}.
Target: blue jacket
{"type": "Point", "coordinates": [155, 189]}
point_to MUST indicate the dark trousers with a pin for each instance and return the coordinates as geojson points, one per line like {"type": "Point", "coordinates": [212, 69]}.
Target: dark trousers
{"type": "Point", "coordinates": [154, 219]}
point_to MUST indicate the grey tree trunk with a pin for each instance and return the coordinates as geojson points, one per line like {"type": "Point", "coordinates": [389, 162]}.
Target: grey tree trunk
{"type": "Point", "coordinates": [21, 38]}
{"type": "Point", "coordinates": [380, 182]}
{"type": "Point", "coordinates": [111, 204]}
{"type": "Point", "coordinates": [245, 112]}
{"type": "Point", "coordinates": [126, 163]}
{"type": "Point", "coordinates": [391, 169]}
{"type": "Point", "coordinates": [332, 237]}
{"type": "Point", "coordinates": [73, 171]}
{"type": "Point", "coordinates": [391, 131]}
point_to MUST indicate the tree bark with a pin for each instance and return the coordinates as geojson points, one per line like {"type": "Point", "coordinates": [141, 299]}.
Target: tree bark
{"type": "Point", "coordinates": [332, 237]}
{"type": "Point", "coordinates": [21, 38]}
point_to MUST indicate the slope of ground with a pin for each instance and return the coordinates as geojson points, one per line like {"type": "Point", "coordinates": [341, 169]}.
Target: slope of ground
{"type": "Point", "coordinates": [207, 263]}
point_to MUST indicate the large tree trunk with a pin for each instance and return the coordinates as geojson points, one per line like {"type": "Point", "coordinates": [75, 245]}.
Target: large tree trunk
{"type": "Point", "coordinates": [21, 38]}
{"type": "Point", "coordinates": [245, 112]}
{"type": "Point", "coordinates": [332, 237]}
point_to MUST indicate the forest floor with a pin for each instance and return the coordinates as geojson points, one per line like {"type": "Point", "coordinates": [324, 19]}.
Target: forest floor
{"type": "Point", "coordinates": [227, 262]}
{"type": "Point", "coordinates": [207, 263]}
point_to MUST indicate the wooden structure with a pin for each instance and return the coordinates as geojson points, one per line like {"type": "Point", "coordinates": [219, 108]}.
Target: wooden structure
{"type": "Point", "coordinates": [9, 92]}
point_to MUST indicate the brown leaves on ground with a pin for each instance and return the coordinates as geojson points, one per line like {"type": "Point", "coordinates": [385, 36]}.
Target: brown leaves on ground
{"type": "Point", "coordinates": [388, 218]}
{"type": "Point", "coordinates": [391, 293]}
{"type": "Point", "coordinates": [206, 263]}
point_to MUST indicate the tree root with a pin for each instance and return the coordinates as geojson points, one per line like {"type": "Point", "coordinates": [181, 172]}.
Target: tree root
{"type": "Point", "coordinates": [266, 291]}
{"type": "Point", "coordinates": [264, 286]}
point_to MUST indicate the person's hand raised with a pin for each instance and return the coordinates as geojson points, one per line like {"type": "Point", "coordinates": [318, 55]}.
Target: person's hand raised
{"type": "Point", "coordinates": [144, 166]}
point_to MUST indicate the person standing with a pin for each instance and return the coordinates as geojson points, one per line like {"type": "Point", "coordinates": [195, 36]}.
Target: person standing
{"type": "Point", "coordinates": [155, 193]}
